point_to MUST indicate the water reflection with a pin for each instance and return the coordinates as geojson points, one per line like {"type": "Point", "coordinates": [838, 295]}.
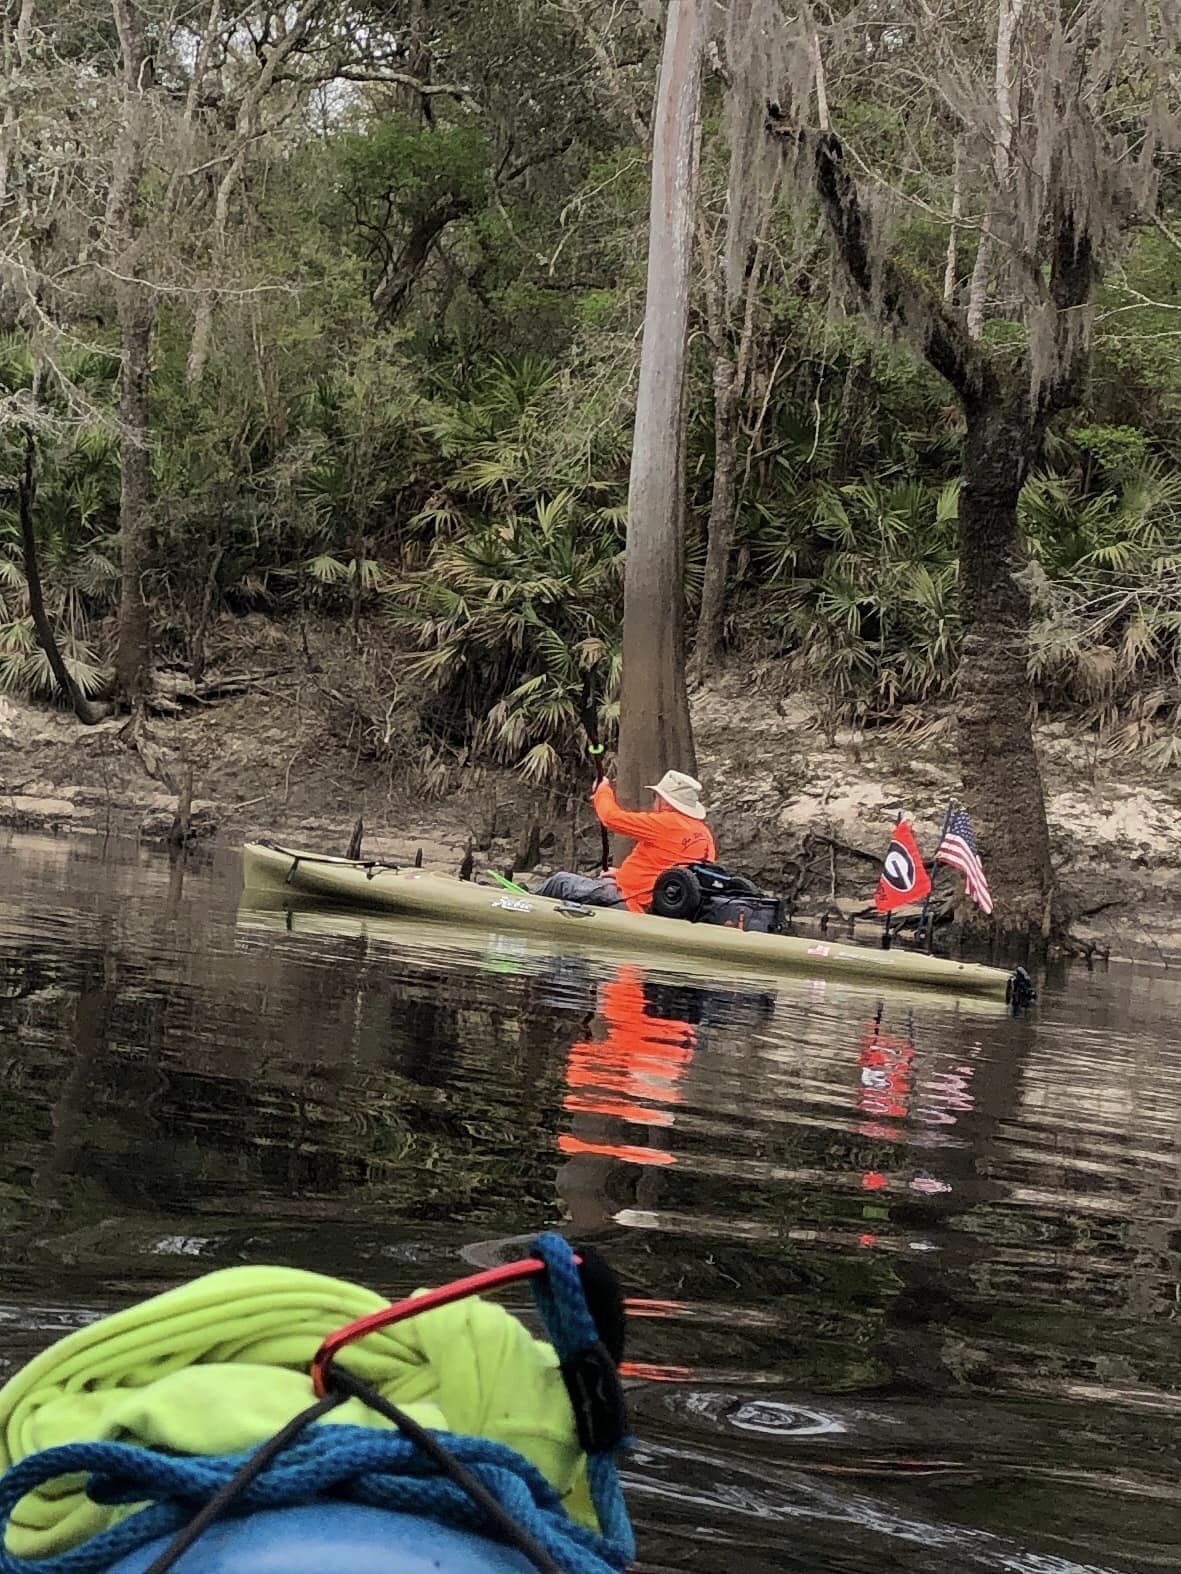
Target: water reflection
{"type": "Point", "coordinates": [903, 1272]}
{"type": "Point", "coordinates": [631, 1073]}
{"type": "Point", "coordinates": [625, 1084]}
{"type": "Point", "coordinates": [884, 1091]}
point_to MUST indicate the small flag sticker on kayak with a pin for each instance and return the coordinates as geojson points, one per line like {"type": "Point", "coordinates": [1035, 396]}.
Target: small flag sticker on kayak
{"type": "Point", "coordinates": [904, 876]}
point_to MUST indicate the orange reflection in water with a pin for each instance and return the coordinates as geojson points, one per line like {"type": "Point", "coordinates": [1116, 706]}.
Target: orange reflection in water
{"type": "Point", "coordinates": [645, 1306]}
{"type": "Point", "coordinates": [631, 1074]}
{"type": "Point", "coordinates": [570, 1145]}
{"type": "Point", "coordinates": [653, 1372]}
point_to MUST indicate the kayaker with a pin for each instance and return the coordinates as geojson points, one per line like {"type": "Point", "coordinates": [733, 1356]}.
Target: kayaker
{"type": "Point", "coordinates": [672, 832]}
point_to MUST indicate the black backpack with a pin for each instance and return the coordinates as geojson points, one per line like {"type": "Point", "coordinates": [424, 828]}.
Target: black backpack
{"type": "Point", "coordinates": [705, 893]}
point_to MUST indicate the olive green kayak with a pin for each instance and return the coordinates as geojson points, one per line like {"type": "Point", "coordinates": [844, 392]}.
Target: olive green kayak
{"type": "Point", "coordinates": [444, 899]}
{"type": "Point", "coordinates": [267, 916]}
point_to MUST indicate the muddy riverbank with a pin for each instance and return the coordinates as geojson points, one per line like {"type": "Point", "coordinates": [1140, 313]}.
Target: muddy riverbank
{"type": "Point", "coordinates": [276, 752]}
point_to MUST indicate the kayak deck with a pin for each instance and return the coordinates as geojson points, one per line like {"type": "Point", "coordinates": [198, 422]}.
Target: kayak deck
{"type": "Point", "coordinates": [443, 898]}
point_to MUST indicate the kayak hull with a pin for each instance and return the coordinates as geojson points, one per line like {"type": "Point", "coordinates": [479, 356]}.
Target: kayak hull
{"type": "Point", "coordinates": [333, 1538]}
{"type": "Point", "coordinates": [445, 899]}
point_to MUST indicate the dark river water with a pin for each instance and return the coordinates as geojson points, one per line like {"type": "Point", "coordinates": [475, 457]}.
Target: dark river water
{"type": "Point", "coordinates": [905, 1275]}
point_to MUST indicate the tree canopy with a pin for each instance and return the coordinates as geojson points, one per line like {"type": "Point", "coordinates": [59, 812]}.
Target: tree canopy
{"type": "Point", "coordinates": [340, 308]}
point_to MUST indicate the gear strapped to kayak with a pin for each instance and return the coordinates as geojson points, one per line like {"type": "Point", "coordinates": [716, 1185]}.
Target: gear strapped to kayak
{"type": "Point", "coordinates": [705, 893]}
{"type": "Point", "coordinates": [475, 1483]}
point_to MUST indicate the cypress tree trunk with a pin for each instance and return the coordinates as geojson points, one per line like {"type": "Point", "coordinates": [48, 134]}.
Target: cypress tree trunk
{"type": "Point", "coordinates": [1001, 775]}
{"type": "Point", "coordinates": [134, 652]}
{"type": "Point", "coordinates": [655, 731]}
{"type": "Point", "coordinates": [722, 520]}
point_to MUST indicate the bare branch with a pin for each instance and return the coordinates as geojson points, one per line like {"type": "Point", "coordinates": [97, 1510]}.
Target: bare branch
{"type": "Point", "coordinates": [953, 235]}
{"type": "Point", "coordinates": [715, 317]}
{"type": "Point", "coordinates": [746, 338]}
{"type": "Point", "coordinates": [618, 85]}
{"type": "Point", "coordinates": [823, 118]}
{"type": "Point", "coordinates": [201, 62]}
{"type": "Point", "coordinates": [1162, 228]}
{"type": "Point", "coordinates": [383, 75]}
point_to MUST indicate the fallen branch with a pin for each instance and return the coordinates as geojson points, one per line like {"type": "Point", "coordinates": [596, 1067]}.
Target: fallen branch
{"type": "Point", "coordinates": [172, 690]}
{"type": "Point", "coordinates": [850, 851]}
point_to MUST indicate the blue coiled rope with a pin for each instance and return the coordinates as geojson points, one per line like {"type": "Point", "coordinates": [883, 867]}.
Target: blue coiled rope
{"type": "Point", "coordinates": [561, 1305]}
{"type": "Point", "coordinates": [357, 1464]}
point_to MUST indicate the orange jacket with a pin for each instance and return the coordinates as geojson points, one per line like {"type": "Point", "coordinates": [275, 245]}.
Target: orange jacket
{"type": "Point", "coordinates": [663, 838]}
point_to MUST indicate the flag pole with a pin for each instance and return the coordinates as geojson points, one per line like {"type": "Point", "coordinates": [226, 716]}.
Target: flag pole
{"type": "Point", "coordinates": [887, 935]}
{"type": "Point", "coordinates": [925, 914]}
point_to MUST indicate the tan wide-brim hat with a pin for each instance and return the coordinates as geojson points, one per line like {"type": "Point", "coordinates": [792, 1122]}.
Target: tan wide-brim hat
{"type": "Point", "coordinates": [680, 792]}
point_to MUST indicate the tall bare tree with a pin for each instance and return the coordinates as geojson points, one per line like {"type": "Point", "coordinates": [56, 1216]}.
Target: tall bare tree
{"type": "Point", "coordinates": [1008, 20]}
{"type": "Point", "coordinates": [733, 256]}
{"type": "Point", "coordinates": [16, 44]}
{"type": "Point", "coordinates": [287, 31]}
{"type": "Point", "coordinates": [655, 731]}
{"type": "Point", "coordinates": [135, 304]}
{"type": "Point", "coordinates": [731, 331]}
{"type": "Point", "coordinates": [1080, 102]}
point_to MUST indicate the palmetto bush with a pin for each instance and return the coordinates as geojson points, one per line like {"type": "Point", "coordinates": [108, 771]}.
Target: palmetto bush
{"type": "Point", "coordinates": [491, 434]}
{"type": "Point", "coordinates": [508, 620]}
{"type": "Point", "coordinates": [74, 519]}
{"type": "Point", "coordinates": [858, 588]}
{"type": "Point", "coordinates": [518, 600]}
{"type": "Point", "coordinates": [1106, 584]}
{"type": "Point", "coordinates": [522, 431]}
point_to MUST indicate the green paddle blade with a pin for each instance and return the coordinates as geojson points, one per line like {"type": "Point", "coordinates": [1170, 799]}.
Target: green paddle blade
{"type": "Point", "coordinates": [507, 884]}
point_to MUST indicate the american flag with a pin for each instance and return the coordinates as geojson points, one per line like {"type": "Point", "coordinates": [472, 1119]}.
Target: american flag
{"type": "Point", "coordinates": [958, 851]}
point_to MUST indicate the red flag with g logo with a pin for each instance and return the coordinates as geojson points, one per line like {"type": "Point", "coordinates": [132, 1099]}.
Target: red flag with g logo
{"type": "Point", "coordinates": [904, 877]}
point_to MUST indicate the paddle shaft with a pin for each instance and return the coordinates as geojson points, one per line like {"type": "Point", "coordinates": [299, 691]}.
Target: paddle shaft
{"type": "Point", "coordinates": [590, 725]}
{"type": "Point", "coordinates": [926, 929]}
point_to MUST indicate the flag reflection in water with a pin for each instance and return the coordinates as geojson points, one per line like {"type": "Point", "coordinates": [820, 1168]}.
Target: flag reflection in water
{"type": "Point", "coordinates": [902, 1102]}
{"type": "Point", "coordinates": [887, 1065]}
